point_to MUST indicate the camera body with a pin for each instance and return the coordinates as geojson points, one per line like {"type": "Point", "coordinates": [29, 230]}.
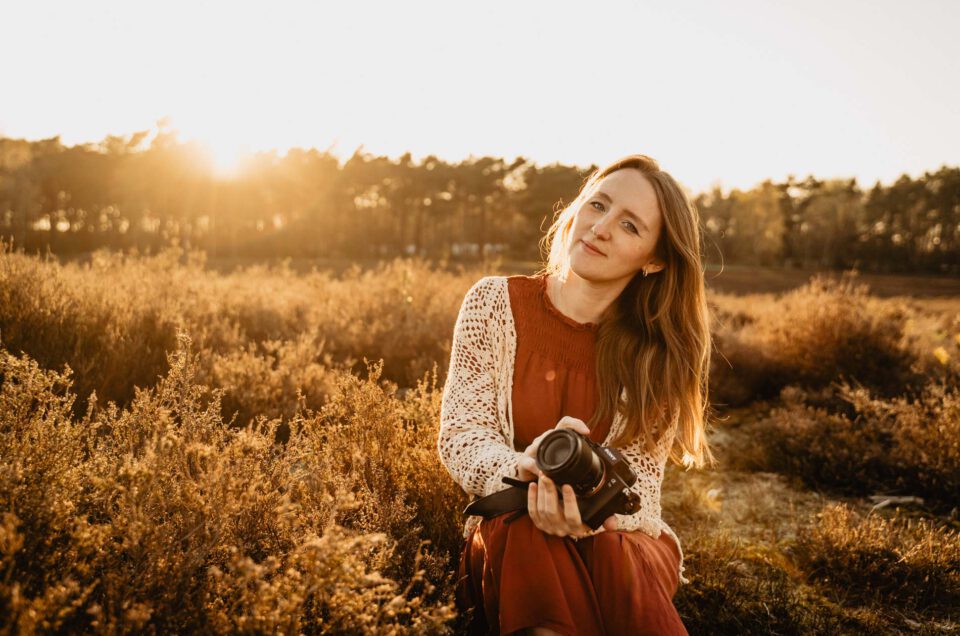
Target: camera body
{"type": "Point", "coordinates": [599, 475]}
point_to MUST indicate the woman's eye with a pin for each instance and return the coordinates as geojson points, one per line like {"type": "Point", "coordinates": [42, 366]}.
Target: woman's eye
{"type": "Point", "coordinates": [598, 205]}
{"type": "Point", "coordinates": [632, 227]}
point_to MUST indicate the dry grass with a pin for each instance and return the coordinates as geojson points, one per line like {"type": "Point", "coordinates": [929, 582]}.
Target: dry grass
{"type": "Point", "coordinates": [765, 555]}
{"type": "Point", "coordinates": [826, 331]}
{"type": "Point", "coordinates": [153, 514]}
{"type": "Point", "coordinates": [264, 333]}
{"type": "Point", "coordinates": [912, 564]}
{"type": "Point", "coordinates": [160, 518]}
{"type": "Point", "coordinates": [895, 446]}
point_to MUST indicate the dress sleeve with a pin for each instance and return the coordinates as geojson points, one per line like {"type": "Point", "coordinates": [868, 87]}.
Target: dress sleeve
{"type": "Point", "coordinates": [470, 442]}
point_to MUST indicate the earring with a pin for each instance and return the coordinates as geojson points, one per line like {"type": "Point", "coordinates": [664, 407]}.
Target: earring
{"type": "Point", "coordinates": [645, 273]}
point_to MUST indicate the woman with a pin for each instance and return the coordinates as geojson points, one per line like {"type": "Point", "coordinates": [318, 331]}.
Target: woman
{"type": "Point", "coordinates": [610, 339]}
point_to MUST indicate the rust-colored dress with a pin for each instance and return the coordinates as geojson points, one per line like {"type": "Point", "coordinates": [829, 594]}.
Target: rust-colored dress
{"type": "Point", "coordinates": [515, 576]}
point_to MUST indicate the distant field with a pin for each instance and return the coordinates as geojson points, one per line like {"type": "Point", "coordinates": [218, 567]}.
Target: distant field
{"type": "Point", "coordinates": [758, 280]}
{"type": "Point", "coordinates": [731, 279]}
{"type": "Point", "coordinates": [742, 280]}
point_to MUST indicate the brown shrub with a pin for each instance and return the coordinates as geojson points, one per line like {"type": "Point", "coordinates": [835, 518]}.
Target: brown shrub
{"type": "Point", "coordinates": [825, 331]}
{"type": "Point", "coordinates": [274, 379]}
{"type": "Point", "coordinates": [263, 332]}
{"type": "Point", "coordinates": [159, 518]}
{"type": "Point", "coordinates": [112, 331]}
{"type": "Point", "coordinates": [934, 336]}
{"type": "Point", "coordinates": [898, 445]}
{"type": "Point", "coordinates": [912, 564]}
{"type": "Point", "coordinates": [740, 534]}
{"type": "Point", "coordinates": [386, 449]}
{"type": "Point", "coordinates": [740, 589]}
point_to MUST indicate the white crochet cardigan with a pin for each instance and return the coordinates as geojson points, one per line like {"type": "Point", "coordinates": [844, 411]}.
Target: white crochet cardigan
{"type": "Point", "coordinates": [475, 440]}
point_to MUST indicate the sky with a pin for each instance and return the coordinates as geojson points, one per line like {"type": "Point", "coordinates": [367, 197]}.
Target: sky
{"type": "Point", "coordinates": [721, 94]}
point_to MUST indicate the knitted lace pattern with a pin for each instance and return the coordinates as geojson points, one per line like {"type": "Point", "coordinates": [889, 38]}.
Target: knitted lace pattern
{"type": "Point", "coordinates": [475, 440]}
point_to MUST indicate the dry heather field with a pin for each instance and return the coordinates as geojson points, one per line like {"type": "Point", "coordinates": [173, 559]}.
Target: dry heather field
{"type": "Point", "coordinates": [187, 451]}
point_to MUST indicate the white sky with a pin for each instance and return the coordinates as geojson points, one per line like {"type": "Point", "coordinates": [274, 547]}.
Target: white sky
{"type": "Point", "coordinates": [719, 92]}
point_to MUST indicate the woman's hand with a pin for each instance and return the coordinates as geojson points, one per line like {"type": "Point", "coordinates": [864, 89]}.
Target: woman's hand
{"type": "Point", "coordinates": [543, 504]}
{"type": "Point", "coordinates": [560, 518]}
{"type": "Point", "coordinates": [527, 467]}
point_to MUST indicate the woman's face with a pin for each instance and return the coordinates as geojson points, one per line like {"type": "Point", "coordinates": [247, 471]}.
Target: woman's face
{"type": "Point", "coordinates": [622, 209]}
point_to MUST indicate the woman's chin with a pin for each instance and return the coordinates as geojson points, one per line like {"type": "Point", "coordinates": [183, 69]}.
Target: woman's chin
{"type": "Point", "coordinates": [584, 268]}
{"type": "Point", "coordinates": [589, 270]}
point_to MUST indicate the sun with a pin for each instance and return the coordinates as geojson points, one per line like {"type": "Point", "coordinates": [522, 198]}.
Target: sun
{"type": "Point", "coordinates": [225, 156]}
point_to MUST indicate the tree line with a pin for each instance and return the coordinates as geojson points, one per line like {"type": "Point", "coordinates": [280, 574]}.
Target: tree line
{"type": "Point", "coordinates": [131, 191]}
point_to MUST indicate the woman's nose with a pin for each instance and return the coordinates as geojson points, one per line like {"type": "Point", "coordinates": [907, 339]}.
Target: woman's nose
{"type": "Point", "coordinates": [600, 229]}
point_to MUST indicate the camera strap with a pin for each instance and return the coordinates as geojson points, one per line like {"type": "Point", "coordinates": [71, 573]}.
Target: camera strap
{"type": "Point", "coordinates": [512, 499]}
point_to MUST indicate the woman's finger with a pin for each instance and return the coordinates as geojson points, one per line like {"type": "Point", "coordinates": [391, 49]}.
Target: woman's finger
{"type": "Point", "coordinates": [528, 468]}
{"type": "Point", "coordinates": [573, 423]}
{"type": "Point", "coordinates": [571, 512]}
{"type": "Point", "coordinates": [539, 438]}
{"type": "Point", "coordinates": [548, 501]}
{"type": "Point", "coordinates": [532, 503]}
{"type": "Point", "coordinates": [531, 450]}
{"type": "Point", "coordinates": [542, 498]}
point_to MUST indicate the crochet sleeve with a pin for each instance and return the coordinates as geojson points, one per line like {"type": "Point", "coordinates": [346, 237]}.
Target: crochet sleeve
{"type": "Point", "coordinates": [649, 468]}
{"type": "Point", "coordinates": [472, 447]}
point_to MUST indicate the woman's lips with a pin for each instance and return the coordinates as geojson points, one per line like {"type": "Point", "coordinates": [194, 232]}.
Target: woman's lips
{"type": "Point", "coordinates": [591, 250]}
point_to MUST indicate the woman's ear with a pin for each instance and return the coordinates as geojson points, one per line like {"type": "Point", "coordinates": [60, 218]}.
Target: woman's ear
{"type": "Point", "coordinates": [653, 267]}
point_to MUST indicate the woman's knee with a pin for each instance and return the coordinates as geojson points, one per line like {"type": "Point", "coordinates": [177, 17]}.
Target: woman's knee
{"type": "Point", "coordinates": [607, 541]}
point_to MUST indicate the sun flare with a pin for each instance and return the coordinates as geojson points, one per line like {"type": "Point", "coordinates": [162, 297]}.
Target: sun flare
{"type": "Point", "coordinates": [225, 156]}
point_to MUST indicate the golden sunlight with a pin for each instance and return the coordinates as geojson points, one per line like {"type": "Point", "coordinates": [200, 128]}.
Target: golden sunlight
{"type": "Point", "coordinates": [224, 155]}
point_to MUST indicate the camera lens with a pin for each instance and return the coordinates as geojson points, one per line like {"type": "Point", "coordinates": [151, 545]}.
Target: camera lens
{"type": "Point", "coordinates": [567, 459]}
{"type": "Point", "coordinates": [557, 451]}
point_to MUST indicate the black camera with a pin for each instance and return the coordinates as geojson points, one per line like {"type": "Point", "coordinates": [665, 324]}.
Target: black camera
{"type": "Point", "coordinates": [599, 475]}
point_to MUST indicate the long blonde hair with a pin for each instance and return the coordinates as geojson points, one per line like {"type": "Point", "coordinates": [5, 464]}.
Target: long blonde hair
{"type": "Point", "coordinates": [653, 341]}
